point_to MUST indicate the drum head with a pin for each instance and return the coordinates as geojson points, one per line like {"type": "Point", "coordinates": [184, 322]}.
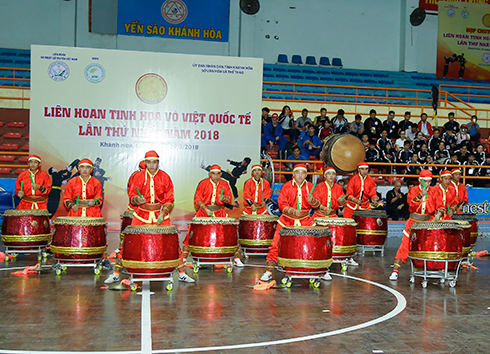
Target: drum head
{"type": "Point", "coordinates": [259, 217]}
{"type": "Point", "coordinates": [151, 229]}
{"type": "Point", "coordinates": [74, 220]}
{"type": "Point", "coordinates": [127, 214]}
{"type": "Point", "coordinates": [26, 212]}
{"type": "Point", "coordinates": [314, 231]}
{"type": "Point", "coordinates": [335, 221]}
{"type": "Point", "coordinates": [343, 152]}
{"type": "Point", "coordinates": [465, 217]}
{"type": "Point", "coordinates": [435, 225]}
{"type": "Point", "coordinates": [213, 220]}
{"type": "Point", "coordinates": [370, 213]}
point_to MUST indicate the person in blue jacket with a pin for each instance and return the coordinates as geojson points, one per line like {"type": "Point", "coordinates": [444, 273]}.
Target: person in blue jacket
{"type": "Point", "coordinates": [310, 144]}
{"type": "Point", "coordinates": [273, 134]}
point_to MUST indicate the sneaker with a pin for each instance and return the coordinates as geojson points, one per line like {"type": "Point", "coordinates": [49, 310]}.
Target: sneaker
{"type": "Point", "coordinates": [326, 277]}
{"type": "Point", "coordinates": [185, 278]}
{"type": "Point", "coordinates": [394, 276]}
{"type": "Point", "coordinates": [267, 276]}
{"type": "Point", "coordinates": [352, 262]}
{"type": "Point", "coordinates": [113, 278]}
{"type": "Point", "coordinates": [237, 262]}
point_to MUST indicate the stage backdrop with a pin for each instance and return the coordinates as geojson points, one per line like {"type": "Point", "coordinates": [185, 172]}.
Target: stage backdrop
{"type": "Point", "coordinates": [115, 105]}
{"type": "Point", "coordinates": [463, 45]}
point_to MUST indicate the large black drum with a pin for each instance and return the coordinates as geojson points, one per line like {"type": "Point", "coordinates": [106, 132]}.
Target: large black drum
{"type": "Point", "coordinates": [343, 152]}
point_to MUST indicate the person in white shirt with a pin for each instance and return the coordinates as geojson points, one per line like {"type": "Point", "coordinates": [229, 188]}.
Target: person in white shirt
{"type": "Point", "coordinates": [400, 141]}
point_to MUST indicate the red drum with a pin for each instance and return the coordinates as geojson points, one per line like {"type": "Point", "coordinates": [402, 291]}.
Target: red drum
{"type": "Point", "coordinates": [442, 241]}
{"type": "Point", "coordinates": [127, 218]}
{"type": "Point", "coordinates": [255, 232]}
{"type": "Point", "coordinates": [473, 220]}
{"type": "Point", "coordinates": [305, 250]}
{"type": "Point", "coordinates": [213, 239]}
{"type": "Point", "coordinates": [372, 227]}
{"type": "Point", "coordinates": [150, 251]}
{"type": "Point", "coordinates": [26, 229]}
{"type": "Point", "coordinates": [343, 236]}
{"type": "Point", "coordinates": [79, 240]}
{"type": "Point", "coordinates": [465, 225]}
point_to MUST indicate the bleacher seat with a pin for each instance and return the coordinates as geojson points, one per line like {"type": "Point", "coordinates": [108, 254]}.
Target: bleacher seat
{"type": "Point", "coordinates": [350, 73]}
{"type": "Point", "coordinates": [324, 61]}
{"type": "Point", "coordinates": [297, 71]}
{"type": "Point", "coordinates": [7, 158]}
{"type": "Point", "coordinates": [310, 60]}
{"type": "Point", "coordinates": [5, 170]}
{"type": "Point", "coordinates": [16, 124]}
{"type": "Point", "coordinates": [12, 135]}
{"type": "Point", "coordinates": [296, 59]}
{"type": "Point", "coordinates": [356, 80]}
{"type": "Point", "coordinates": [18, 171]}
{"type": "Point", "coordinates": [282, 58]}
{"type": "Point", "coordinates": [282, 70]}
{"type": "Point", "coordinates": [268, 76]}
{"type": "Point", "coordinates": [9, 147]}
{"type": "Point", "coordinates": [297, 77]}
{"type": "Point", "coordinates": [6, 62]}
{"type": "Point", "coordinates": [25, 147]}
{"type": "Point", "coordinates": [309, 71]}
{"type": "Point", "coordinates": [266, 68]}
{"type": "Point", "coordinates": [282, 76]}
{"type": "Point", "coordinates": [2, 124]}
{"type": "Point", "coordinates": [6, 73]}
{"type": "Point", "coordinates": [25, 55]}
{"type": "Point", "coordinates": [337, 62]}
{"type": "Point", "coordinates": [23, 158]}
{"type": "Point", "coordinates": [312, 78]}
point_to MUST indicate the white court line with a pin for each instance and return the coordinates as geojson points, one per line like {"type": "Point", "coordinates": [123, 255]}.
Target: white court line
{"type": "Point", "coordinates": [146, 343]}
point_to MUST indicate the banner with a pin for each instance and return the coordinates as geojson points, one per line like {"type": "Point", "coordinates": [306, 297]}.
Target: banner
{"type": "Point", "coordinates": [478, 203]}
{"type": "Point", "coordinates": [432, 5]}
{"type": "Point", "coordinates": [463, 45]}
{"type": "Point", "coordinates": [184, 19]}
{"type": "Point", "coordinates": [112, 106]}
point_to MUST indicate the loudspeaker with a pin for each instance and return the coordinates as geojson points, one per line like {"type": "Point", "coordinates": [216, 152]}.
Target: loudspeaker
{"type": "Point", "coordinates": [417, 16]}
{"type": "Point", "coordinates": [250, 7]}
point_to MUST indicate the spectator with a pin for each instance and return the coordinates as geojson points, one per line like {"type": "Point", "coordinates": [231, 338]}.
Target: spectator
{"type": "Point", "coordinates": [372, 126]}
{"type": "Point", "coordinates": [462, 154]}
{"type": "Point", "coordinates": [365, 140]}
{"type": "Point", "coordinates": [286, 119]}
{"type": "Point", "coordinates": [433, 169]}
{"type": "Point", "coordinates": [453, 160]}
{"type": "Point", "coordinates": [442, 154]}
{"type": "Point", "coordinates": [400, 141]}
{"type": "Point", "coordinates": [412, 133]}
{"type": "Point", "coordinates": [472, 171]}
{"type": "Point", "coordinates": [396, 202]}
{"type": "Point", "coordinates": [273, 134]}
{"type": "Point", "coordinates": [405, 124]}
{"type": "Point", "coordinates": [389, 154]}
{"type": "Point", "coordinates": [340, 124]}
{"type": "Point", "coordinates": [306, 131]}
{"type": "Point", "coordinates": [296, 156]}
{"type": "Point", "coordinates": [434, 141]}
{"type": "Point", "coordinates": [480, 154]}
{"type": "Point", "coordinates": [318, 121]}
{"type": "Point", "coordinates": [266, 118]}
{"type": "Point", "coordinates": [449, 139]}
{"type": "Point", "coordinates": [404, 155]}
{"type": "Point", "coordinates": [463, 138]}
{"type": "Point", "coordinates": [325, 130]}
{"type": "Point", "coordinates": [418, 142]}
{"type": "Point", "coordinates": [485, 171]}
{"type": "Point", "coordinates": [391, 126]}
{"type": "Point", "coordinates": [413, 170]}
{"type": "Point", "coordinates": [424, 126]}
{"type": "Point", "coordinates": [301, 121]}
{"type": "Point", "coordinates": [474, 130]}
{"type": "Point", "coordinates": [451, 124]}
{"type": "Point", "coordinates": [423, 153]}
{"type": "Point", "coordinates": [357, 127]}
{"type": "Point", "coordinates": [372, 154]}
{"type": "Point", "coordinates": [310, 144]}
{"type": "Point", "coordinates": [381, 143]}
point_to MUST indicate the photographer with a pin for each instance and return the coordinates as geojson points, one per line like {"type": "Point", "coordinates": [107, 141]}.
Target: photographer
{"type": "Point", "coordinates": [474, 130]}
{"type": "Point", "coordinates": [463, 138]}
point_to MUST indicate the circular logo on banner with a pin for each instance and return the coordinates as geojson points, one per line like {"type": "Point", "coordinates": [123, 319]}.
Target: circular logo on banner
{"type": "Point", "coordinates": [485, 57]}
{"type": "Point", "coordinates": [94, 73]}
{"type": "Point", "coordinates": [174, 11]}
{"type": "Point", "coordinates": [450, 13]}
{"type": "Point", "coordinates": [465, 14]}
{"type": "Point", "coordinates": [151, 88]}
{"type": "Point", "coordinates": [486, 20]}
{"type": "Point", "coordinates": [58, 71]}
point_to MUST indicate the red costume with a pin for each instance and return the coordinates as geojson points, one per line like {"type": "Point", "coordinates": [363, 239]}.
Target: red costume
{"type": "Point", "coordinates": [359, 188]}
{"type": "Point", "coordinates": [142, 166]}
{"type": "Point", "coordinates": [292, 197]}
{"type": "Point", "coordinates": [328, 196]}
{"type": "Point", "coordinates": [460, 190]}
{"type": "Point", "coordinates": [80, 192]}
{"type": "Point", "coordinates": [445, 199]}
{"type": "Point", "coordinates": [257, 192]}
{"type": "Point", "coordinates": [33, 199]}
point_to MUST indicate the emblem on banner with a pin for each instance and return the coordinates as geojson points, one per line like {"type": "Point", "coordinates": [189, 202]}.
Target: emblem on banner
{"type": "Point", "coordinates": [94, 73]}
{"type": "Point", "coordinates": [174, 11]}
{"type": "Point", "coordinates": [58, 71]}
{"type": "Point", "coordinates": [465, 14]}
{"type": "Point", "coordinates": [450, 12]}
{"type": "Point", "coordinates": [151, 88]}
{"type": "Point", "coordinates": [485, 57]}
{"type": "Point", "coordinates": [486, 20]}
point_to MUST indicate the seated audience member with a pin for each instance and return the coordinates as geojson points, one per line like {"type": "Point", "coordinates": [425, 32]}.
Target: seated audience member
{"type": "Point", "coordinates": [453, 160]}
{"type": "Point", "coordinates": [318, 121]}
{"type": "Point", "coordinates": [301, 121]}
{"type": "Point", "coordinates": [286, 119]}
{"type": "Point", "coordinates": [365, 140]}
{"type": "Point", "coordinates": [372, 154]}
{"type": "Point", "coordinates": [433, 169]}
{"type": "Point", "coordinates": [404, 156]}
{"type": "Point", "coordinates": [340, 124]}
{"type": "Point", "coordinates": [296, 156]}
{"type": "Point", "coordinates": [418, 142]}
{"type": "Point", "coordinates": [424, 126]}
{"type": "Point", "coordinates": [305, 132]}
{"type": "Point", "coordinates": [480, 154]}
{"type": "Point", "coordinates": [462, 154]}
{"type": "Point", "coordinates": [357, 127]}
{"type": "Point", "coordinates": [485, 170]}
{"type": "Point", "coordinates": [372, 126]}
{"type": "Point", "coordinates": [325, 131]}
{"type": "Point", "coordinates": [391, 126]}
{"type": "Point", "coordinates": [434, 141]}
{"type": "Point", "coordinates": [381, 142]}
{"type": "Point", "coordinates": [273, 134]}
{"type": "Point", "coordinates": [411, 134]}
{"type": "Point", "coordinates": [412, 170]}
{"type": "Point", "coordinates": [310, 144]}
{"type": "Point", "coordinates": [451, 125]}
{"type": "Point", "coordinates": [423, 153]}
{"type": "Point", "coordinates": [474, 130]}
{"type": "Point", "coordinates": [449, 139]}
{"type": "Point", "coordinates": [441, 154]}
{"type": "Point", "coordinates": [396, 202]}
{"type": "Point", "coordinates": [389, 155]}
{"type": "Point", "coordinates": [472, 171]}
{"type": "Point", "coordinates": [400, 141]}
{"type": "Point", "coordinates": [405, 124]}
{"type": "Point", "coordinates": [266, 118]}
{"type": "Point", "coordinates": [463, 138]}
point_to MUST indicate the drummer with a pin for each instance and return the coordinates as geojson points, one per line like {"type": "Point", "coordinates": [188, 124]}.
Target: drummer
{"type": "Point", "coordinates": [83, 194]}
{"type": "Point", "coordinates": [212, 194]}
{"type": "Point", "coordinates": [360, 191]}
{"type": "Point", "coordinates": [141, 167]}
{"type": "Point", "coordinates": [445, 197]}
{"type": "Point", "coordinates": [33, 185]}
{"type": "Point", "coordinates": [256, 192]}
{"type": "Point", "coordinates": [460, 189]}
{"type": "Point", "coordinates": [421, 205]}
{"type": "Point", "coordinates": [295, 201]}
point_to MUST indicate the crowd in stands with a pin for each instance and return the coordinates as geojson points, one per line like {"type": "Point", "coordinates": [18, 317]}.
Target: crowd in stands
{"type": "Point", "coordinates": [405, 142]}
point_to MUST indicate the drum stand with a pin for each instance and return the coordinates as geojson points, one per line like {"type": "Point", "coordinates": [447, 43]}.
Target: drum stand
{"type": "Point", "coordinates": [342, 260]}
{"type": "Point", "coordinates": [260, 251]}
{"type": "Point", "coordinates": [451, 276]}
{"type": "Point", "coordinates": [41, 251]}
{"type": "Point", "coordinates": [287, 281]}
{"type": "Point", "coordinates": [362, 249]}
{"type": "Point", "coordinates": [197, 262]}
{"type": "Point", "coordinates": [133, 277]}
{"type": "Point", "coordinates": [62, 264]}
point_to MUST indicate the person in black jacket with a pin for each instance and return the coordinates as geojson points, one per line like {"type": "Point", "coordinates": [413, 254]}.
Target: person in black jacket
{"type": "Point", "coordinates": [372, 126]}
{"type": "Point", "coordinates": [396, 202]}
{"type": "Point", "coordinates": [404, 156]}
{"type": "Point", "coordinates": [57, 179]}
{"type": "Point", "coordinates": [391, 126]}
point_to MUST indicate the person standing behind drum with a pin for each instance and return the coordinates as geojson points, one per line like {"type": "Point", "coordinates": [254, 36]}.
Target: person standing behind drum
{"type": "Point", "coordinates": [360, 191]}
{"type": "Point", "coordinates": [328, 194]}
{"type": "Point", "coordinates": [256, 192]}
{"type": "Point", "coordinates": [33, 186]}
{"type": "Point", "coordinates": [445, 197]}
{"type": "Point", "coordinates": [295, 201]}
{"type": "Point", "coordinates": [141, 167]}
{"type": "Point", "coordinates": [460, 189]}
{"type": "Point", "coordinates": [421, 205]}
{"type": "Point", "coordinates": [83, 194]}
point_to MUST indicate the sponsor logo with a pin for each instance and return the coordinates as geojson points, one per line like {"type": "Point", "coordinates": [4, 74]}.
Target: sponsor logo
{"type": "Point", "coordinates": [58, 71]}
{"type": "Point", "coordinates": [151, 88]}
{"type": "Point", "coordinates": [94, 73]}
{"type": "Point", "coordinates": [174, 11]}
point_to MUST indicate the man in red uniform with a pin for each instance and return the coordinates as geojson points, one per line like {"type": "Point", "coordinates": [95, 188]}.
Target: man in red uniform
{"type": "Point", "coordinates": [141, 166]}
{"type": "Point", "coordinates": [460, 189]}
{"type": "Point", "coordinates": [295, 202]}
{"type": "Point", "coordinates": [361, 190]}
{"type": "Point", "coordinates": [151, 194]}
{"type": "Point", "coordinates": [33, 186]}
{"type": "Point", "coordinates": [256, 192]}
{"type": "Point", "coordinates": [211, 195]}
{"type": "Point", "coordinates": [445, 197]}
{"type": "Point", "coordinates": [83, 194]}
{"type": "Point", "coordinates": [421, 205]}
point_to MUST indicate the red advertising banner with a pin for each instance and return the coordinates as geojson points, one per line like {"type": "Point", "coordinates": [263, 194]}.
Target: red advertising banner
{"type": "Point", "coordinates": [432, 5]}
